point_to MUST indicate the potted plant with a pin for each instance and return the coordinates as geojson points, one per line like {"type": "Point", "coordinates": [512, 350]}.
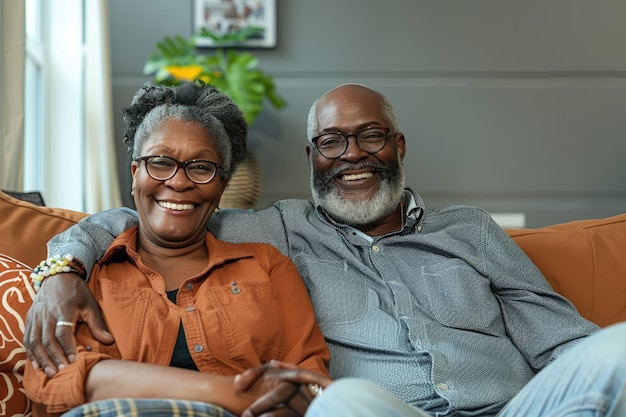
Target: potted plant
{"type": "Point", "coordinates": [236, 74]}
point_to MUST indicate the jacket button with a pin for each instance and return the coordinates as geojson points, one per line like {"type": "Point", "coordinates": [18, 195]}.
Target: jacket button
{"type": "Point", "coordinates": [198, 348]}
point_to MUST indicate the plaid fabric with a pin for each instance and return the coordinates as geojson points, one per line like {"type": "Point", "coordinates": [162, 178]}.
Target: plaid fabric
{"type": "Point", "coordinates": [135, 407]}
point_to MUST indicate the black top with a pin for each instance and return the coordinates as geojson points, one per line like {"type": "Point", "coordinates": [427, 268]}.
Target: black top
{"type": "Point", "coordinates": [181, 358]}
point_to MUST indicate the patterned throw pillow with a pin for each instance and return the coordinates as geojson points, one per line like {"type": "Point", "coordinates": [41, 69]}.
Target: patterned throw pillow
{"type": "Point", "coordinates": [16, 295]}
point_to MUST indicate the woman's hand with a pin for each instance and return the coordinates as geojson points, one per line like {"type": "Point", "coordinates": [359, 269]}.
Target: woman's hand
{"type": "Point", "coordinates": [48, 337]}
{"type": "Point", "coordinates": [290, 389]}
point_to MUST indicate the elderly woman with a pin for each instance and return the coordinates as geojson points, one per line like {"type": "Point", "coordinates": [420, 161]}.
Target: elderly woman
{"type": "Point", "coordinates": [187, 311]}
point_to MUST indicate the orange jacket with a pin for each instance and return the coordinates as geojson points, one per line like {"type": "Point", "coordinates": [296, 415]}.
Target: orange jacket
{"type": "Point", "coordinates": [249, 306]}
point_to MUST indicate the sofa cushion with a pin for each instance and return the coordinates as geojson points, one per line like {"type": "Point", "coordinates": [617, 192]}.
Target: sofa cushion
{"type": "Point", "coordinates": [584, 261]}
{"type": "Point", "coordinates": [26, 228]}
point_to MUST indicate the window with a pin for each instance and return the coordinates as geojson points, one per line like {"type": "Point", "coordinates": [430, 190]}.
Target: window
{"type": "Point", "coordinates": [34, 97]}
{"type": "Point", "coordinates": [54, 101]}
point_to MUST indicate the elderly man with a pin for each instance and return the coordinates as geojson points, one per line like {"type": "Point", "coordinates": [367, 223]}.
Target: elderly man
{"type": "Point", "coordinates": [440, 309]}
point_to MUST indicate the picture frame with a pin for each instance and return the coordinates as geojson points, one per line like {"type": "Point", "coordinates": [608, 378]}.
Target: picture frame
{"type": "Point", "coordinates": [228, 16]}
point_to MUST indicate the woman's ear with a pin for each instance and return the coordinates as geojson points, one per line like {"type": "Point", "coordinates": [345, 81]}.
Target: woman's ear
{"type": "Point", "coordinates": [134, 167]}
{"type": "Point", "coordinates": [224, 184]}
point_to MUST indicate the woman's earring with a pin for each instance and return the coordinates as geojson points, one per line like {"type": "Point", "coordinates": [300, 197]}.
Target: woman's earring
{"type": "Point", "coordinates": [132, 192]}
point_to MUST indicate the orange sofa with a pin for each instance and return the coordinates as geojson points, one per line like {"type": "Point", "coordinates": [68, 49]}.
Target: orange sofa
{"type": "Point", "coordinates": [583, 260]}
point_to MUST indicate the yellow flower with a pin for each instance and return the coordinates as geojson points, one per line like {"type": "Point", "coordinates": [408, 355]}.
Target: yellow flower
{"type": "Point", "coordinates": [185, 72]}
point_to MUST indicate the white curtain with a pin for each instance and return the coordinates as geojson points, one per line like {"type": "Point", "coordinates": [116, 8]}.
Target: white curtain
{"type": "Point", "coordinates": [13, 51]}
{"type": "Point", "coordinates": [101, 176]}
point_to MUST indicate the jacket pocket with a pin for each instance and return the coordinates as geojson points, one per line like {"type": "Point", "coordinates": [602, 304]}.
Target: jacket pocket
{"type": "Point", "coordinates": [250, 321]}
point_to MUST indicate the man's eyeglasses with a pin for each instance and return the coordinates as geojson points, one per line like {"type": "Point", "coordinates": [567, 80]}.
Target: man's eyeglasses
{"type": "Point", "coordinates": [162, 168]}
{"type": "Point", "coordinates": [333, 145]}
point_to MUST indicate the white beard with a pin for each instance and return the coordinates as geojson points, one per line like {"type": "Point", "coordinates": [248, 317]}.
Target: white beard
{"type": "Point", "coordinates": [362, 212]}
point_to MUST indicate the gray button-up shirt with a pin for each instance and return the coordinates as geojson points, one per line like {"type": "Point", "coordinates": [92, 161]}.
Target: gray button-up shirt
{"type": "Point", "coordinates": [448, 313]}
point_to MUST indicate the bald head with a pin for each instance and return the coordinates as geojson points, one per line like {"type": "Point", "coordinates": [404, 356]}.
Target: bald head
{"type": "Point", "coordinates": [349, 97]}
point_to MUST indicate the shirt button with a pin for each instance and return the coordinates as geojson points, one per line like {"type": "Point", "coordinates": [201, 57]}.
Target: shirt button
{"type": "Point", "coordinates": [191, 308]}
{"type": "Point", "coordinates": [198, 348]}
{"type": "Point", "coordinates": [375, 248]}
{"type": "Point", "coordinates": [442, 386]}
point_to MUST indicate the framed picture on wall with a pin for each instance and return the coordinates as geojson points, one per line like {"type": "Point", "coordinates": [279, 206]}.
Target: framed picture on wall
{"type": "Point", "coordinates": [229, 19]}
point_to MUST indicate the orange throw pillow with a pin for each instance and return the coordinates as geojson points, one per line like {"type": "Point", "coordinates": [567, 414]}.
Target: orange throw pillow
{"type": "Point", "coordinates": [16, 294]}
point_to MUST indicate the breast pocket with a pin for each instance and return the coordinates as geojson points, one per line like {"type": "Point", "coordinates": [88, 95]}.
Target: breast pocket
{"type": "Point", "coordinates": [461, 297]}
{"type": "Point", "coordinates": [250, 320]}
{"type": "Point", "coordinates": [339, 296]}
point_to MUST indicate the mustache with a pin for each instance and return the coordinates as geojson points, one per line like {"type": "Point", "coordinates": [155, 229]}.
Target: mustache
{"type": "Point", "coordinates": [323, 181]}
{"type": "Point", "coordinates": [355, 167]}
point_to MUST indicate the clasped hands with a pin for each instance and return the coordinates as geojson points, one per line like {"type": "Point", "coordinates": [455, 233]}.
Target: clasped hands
{"type": "Point", "coordinates": [293, 389]}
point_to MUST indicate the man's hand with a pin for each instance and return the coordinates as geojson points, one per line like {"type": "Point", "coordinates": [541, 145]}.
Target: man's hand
{"type": "Point", "coordinates": [291, 394]}
{"type": "Point", "coordinates": [49, 338]}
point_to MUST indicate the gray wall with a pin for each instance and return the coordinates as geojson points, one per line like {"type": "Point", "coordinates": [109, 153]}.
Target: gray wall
{"type": "Point", "coordinates": [514, 106]}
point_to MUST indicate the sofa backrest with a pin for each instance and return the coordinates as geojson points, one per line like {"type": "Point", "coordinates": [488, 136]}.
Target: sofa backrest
{"type": "Point", "coordinates": [585, 261]}
{"type": "Point", "coordinates": [26, 228]}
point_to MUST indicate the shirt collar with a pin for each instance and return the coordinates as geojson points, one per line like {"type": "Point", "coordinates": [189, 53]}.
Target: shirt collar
{"type": "Point", "coordinates": [125, 246]}
{"type": "Point", "coordinates": [413, 213]}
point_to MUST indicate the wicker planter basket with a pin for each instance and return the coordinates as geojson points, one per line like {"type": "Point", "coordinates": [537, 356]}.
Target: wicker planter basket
{"type": "Point", "coordinates": [244, 189]}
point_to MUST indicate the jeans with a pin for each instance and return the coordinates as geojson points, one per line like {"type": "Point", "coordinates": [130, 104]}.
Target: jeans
{"type": "Point", "coordinates": [587, 381]}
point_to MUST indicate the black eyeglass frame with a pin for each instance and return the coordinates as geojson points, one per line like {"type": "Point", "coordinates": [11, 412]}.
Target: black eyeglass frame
{"type": "Point", "coordinates": [346, 136]}
{"type": "Point", "coordinates": [180, 165]}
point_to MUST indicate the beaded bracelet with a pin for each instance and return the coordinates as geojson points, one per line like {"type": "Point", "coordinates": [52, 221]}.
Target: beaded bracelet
{"type": "Point", "coordinates": [55, 265]}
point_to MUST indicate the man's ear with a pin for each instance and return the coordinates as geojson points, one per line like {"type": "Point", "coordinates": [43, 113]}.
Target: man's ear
{"type": "Point", "coordinates": [308, 154]}
{"type": "Point", "coordinates": [401, 145]}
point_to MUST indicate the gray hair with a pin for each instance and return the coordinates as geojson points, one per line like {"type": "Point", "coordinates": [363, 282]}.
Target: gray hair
{"type": "Point", "coordinates": [195, 102]}
{"type": "Point", "coordinates": [385, 104]}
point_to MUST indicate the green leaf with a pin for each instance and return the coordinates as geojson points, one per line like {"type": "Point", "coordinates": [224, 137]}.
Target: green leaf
{"type": "Point", "coordinates": [235, 37]}
{"type": "Point", "coordinates": [238, 75]}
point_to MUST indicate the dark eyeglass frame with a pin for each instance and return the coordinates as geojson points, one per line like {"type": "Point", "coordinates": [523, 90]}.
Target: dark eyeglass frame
{"type": "Point", "coordinates": [179, 165]}
{"type": "Point", "coordinates": [346, 136]}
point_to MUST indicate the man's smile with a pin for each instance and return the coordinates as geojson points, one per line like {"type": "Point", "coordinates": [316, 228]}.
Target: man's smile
{"type": "Point", "coordinates": [354, 177]}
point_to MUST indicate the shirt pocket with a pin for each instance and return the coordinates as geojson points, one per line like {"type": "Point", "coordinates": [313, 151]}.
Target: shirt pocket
{"type": "Point", "coordinates": [461, 297]}
{"type": "Point", "coordinates": [338, 294]}
{"type": "Point", "coordinates": [250, 321]}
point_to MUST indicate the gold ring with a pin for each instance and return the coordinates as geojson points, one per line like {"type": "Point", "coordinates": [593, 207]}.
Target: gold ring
{"type": "Point", "coordinates": [65, 323]}
{"type": "Point", "coordinates": [315, 390]}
